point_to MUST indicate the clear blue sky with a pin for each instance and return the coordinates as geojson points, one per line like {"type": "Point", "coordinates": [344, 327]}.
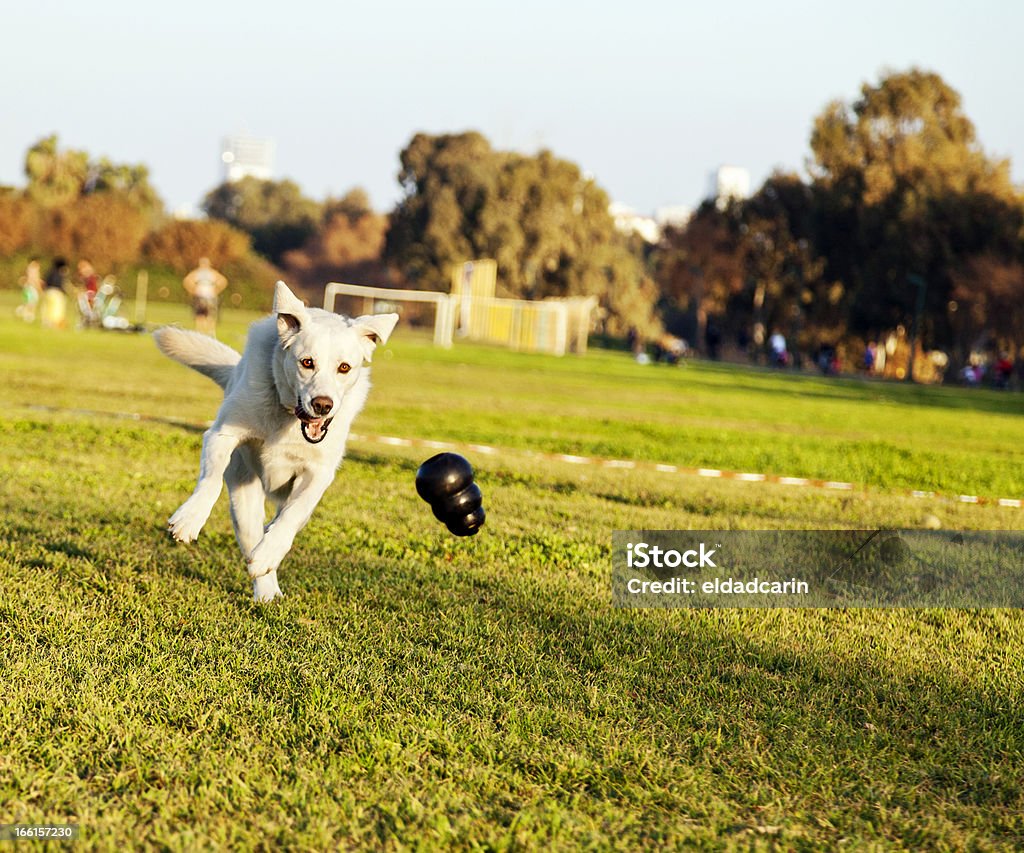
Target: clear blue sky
{"type": "Point", "coordinates": [649, 96]}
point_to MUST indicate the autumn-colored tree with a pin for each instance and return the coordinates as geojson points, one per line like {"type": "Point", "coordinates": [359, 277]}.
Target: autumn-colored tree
{"type": "Point", "coordinates": [102, 227]}
{"type": "Point", "coordinates": [988, 305]}
{"type": "Point", "coordinates": [19, 223]}
{"type": "Point", "coordinates": [347, 246]}
{"type": "Point", "coordinates": [180, 244]}
{"type": "Point", "coordinates": [699, 269]}
{"type": "Point", "coordinates": [129, 182]}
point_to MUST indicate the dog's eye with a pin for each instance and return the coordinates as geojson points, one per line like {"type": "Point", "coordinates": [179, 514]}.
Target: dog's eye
{"type": "Point", "coordinates": [307, 363]}
{"type": "Point", "coordinates": [344, 367]}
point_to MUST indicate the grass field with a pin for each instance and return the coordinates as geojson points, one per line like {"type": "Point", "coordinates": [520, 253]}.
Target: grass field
{"type": "Point", "coordinates": [415, 690]}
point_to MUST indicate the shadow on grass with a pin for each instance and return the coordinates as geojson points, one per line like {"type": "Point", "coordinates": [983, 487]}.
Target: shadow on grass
{"type": "Point", "coordinates": [805, 704]}
{"type": "Point", "coordinates": [178, 423]}
{"type": "Point", "coordinates": [850, 389]}
{"type": "Point", "coordinates": [69, 549]}
{"type": "Point", "coordinates": [368, 457]}
{"type": "Point", "coordinates": [214, 561]}
{"type": "Point", "coordinates": [847, 713]}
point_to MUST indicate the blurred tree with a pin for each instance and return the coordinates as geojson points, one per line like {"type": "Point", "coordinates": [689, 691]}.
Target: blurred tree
{"type": "Point", "coordinates": [103, 227]}
{"type": "Point", "coordinates": [699, 269]}
{"type": "Point", "coordinates": [275, 214]}
{"type": "Point", "coordinates": [987, 308]}
{"type": "Point", "coordinates": [128, 182]}
{"type": "Point", "coordinates": [180, 243]}
{"type": "Point", "coordinates": [788, 289]}
{"type": "Point", "coordinates": [348, 246]}
{"type": "Point", "coordinates": [545, 223]}
{"type": "Point", "coordinates": [19, 223]}
{"type": "Point", "coordinates": [905, 189]}
{"type": "Point", "coordinates": [445, 180]}
{"type": "Point", "coordinates": [355, 204]}
{"type": "Point", "coordinates": [57, 177]}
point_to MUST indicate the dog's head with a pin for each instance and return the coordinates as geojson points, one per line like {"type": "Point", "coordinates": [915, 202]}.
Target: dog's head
{"type": "Point", "coordinates": [322, 358]}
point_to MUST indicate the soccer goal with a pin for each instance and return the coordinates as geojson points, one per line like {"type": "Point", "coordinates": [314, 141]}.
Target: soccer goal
{"type": "Point", "coordinates": [472, 312]}
{"type": "Point", "coordinates": [381, 300]}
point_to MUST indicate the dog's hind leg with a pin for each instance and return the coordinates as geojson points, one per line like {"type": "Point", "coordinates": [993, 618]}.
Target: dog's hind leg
{"type": "Point", "coordinates": [248, 506]}
{"type": "Point", "coordinates": [218, 445]}
{"type": "Point", "coordinates": [309, 487]}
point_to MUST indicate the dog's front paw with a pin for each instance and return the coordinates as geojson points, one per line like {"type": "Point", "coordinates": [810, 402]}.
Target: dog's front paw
{"type": "Point", "coordinates": [265, 588]}
{"type": "Point", "coordinates": [186, 523]}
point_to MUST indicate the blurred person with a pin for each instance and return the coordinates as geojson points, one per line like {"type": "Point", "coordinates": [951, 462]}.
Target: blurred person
{"type": "Point", "coordinates": [827, 360]}
{"type": "Point", "coordinates": [55, 300]}
{"type": "Point", "coordinates": [31, 289]}
{"type": "Point", "coordinates": [743, 343]}
{"type": "Point", "coordinates": [1003, 371]}
{"type": "Point", "coordinates": [973, 374]}
{"type": "Point", "coordinates": [204, 284]}
{"type": "Point", "coordinates": [88, 287]}
{"type": "Point", "coordinates": [870, 356]}
{"type": "Point", "coordinates": [89, 281]}
{"type": "Point", "coordinates": [713, 339]}
{"type": "Point", "coordinates": [670, 349]}
{"type": "Point", "coordinates": [780, 355]}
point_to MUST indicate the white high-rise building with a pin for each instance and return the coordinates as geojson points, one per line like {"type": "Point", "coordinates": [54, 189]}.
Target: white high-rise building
{"type": "Point", "coordinates": [727, 183]}
{"type": "Point", "coordinates": [245, 156]}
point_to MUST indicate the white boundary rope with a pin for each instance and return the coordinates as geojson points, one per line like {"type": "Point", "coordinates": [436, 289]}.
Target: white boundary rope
{"type": "Point", "coordinates": [662, 467]}
{"type": "Point", "coordinates": [602, 462]}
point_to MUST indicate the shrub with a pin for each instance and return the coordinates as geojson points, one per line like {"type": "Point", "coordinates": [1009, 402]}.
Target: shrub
{"type": "Point", "coordinates": [251, 282]}
{"type": "Point", "coordinates": [19, 224]}
{"type": "Point", "coordinates": [102, 227]}
{"type": "Point", "coordinates": [181, 243]}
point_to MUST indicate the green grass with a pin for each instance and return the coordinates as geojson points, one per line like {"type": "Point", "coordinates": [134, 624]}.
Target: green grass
{"type": "Point", "coordinates": [415, 690]}
{"type": "Point", "coordinates": [874, 434]}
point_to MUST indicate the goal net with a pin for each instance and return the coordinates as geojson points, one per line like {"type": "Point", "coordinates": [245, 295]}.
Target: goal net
{"type": "Point", "coordinates": [472, 312]}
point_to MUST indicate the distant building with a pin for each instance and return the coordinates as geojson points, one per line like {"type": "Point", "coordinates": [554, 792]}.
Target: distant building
{"type": "Point", "coordinates": [186, 211]}
{"type": "Point", "coordinates": [728, 183]}
{"type": "Point", "coordinates": [676, 215]}
{"type": "Point", "coordinates": [628, 221]}
{"type": "Point", "coordinates": [245, 156]}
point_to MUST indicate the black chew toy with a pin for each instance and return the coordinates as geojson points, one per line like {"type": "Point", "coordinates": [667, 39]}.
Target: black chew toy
{"type": "Point", "coordinates": [446, 483]}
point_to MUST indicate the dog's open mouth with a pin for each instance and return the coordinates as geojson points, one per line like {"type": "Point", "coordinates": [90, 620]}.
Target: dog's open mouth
{"type": "Point", "coordinates": [314, 429]}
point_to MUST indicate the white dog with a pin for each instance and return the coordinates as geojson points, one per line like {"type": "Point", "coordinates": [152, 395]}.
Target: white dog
{"type": "Point", "coordinates": [280, 433]}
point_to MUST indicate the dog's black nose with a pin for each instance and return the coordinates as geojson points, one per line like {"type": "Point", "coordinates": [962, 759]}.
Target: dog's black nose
{"type": "Point", "coordinates": [322, 406]}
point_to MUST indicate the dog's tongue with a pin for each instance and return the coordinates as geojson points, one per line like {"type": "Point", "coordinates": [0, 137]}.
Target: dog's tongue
{"type": "Point", "coordinates": [313, 431]}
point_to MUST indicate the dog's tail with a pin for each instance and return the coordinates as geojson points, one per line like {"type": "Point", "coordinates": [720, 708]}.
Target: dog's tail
{"type": "Point", "coordinates": [200, 352]}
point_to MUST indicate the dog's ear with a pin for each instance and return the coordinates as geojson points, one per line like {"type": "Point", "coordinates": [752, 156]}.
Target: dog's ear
{"type": "Point", "coordinates": [291, 313]}
{"type": "Point", "coordinates": [372, 330]}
